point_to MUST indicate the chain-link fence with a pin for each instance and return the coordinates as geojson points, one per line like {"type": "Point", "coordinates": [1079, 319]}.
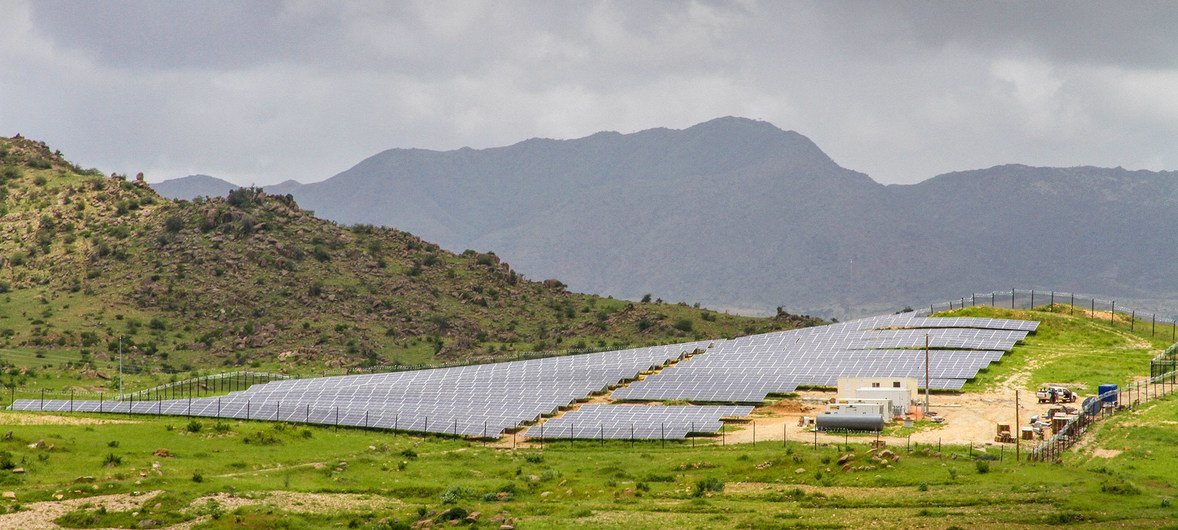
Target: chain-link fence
{"type": "Point", "coordinates": [1158, 325]}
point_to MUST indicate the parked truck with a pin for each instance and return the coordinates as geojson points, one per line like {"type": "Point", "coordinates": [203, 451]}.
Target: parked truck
{"type": "Point", "coordinates": [1055, 394]}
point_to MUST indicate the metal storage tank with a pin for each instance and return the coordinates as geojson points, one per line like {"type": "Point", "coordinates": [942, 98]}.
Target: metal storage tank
{"type": "Point", "coordinates": [1111, 398]}
{"type": "Point", "coordinates": [849, 422]}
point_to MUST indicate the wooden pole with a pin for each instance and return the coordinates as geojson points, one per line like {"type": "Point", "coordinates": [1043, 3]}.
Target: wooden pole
{"type": "Point", "coordinates": [1018, 434]}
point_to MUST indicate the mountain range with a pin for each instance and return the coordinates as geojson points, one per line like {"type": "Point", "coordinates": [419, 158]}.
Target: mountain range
{"type": "Point", "coordinates": [742, 215]}
{"type": "Point", "coordinates": [90, 262]}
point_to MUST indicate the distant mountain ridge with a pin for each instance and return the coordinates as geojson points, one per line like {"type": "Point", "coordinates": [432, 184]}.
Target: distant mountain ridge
{"type": "Point", "coordinates": [737, 213]}
{"type": "Point", "coordinates": [193, 186]}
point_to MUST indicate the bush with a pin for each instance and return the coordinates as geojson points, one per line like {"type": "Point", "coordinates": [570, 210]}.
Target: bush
{"type": "Point", "coordinates": [684, 324]}
{"type": "Point", "coordinates": [710, 484]}
{"type": "Point", "coordinates": [10, 173]}
{"type": "Point", "coordinates": [194, 426]}
{"type": "Point", "coordinates": [452, 495]}
{"type": "Point", "coordinates": [983, 466]}
{"type": "Point", "coordinates": [923, 486]}
{"type": "Point", "coordinates": [1119, 488]}
{"type": "Point", "coordinates": [112, 460]}
{"type": "Point", "coordinates": [261, 438]}
{"type": "Point", "coordinates": [198, 477]}
{"type": "Point", "coordinates": [40, 180]}
{"type": "Point", "coordinates": [221, 427]}
{"type": "Point", "coordinates": [534, 458]}
{"type": "Point", "coordinates": [173, 224]}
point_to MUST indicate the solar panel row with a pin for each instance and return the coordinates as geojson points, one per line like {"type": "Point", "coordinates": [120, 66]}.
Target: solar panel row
{"type": "Point", "coordinates": [489, 399]}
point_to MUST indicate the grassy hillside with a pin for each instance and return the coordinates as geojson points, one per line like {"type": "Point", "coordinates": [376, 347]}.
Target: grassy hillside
{"type": "Point", "coordinates": [1072, 348]}
{"type": "Point", "coordinates": [253, 280]}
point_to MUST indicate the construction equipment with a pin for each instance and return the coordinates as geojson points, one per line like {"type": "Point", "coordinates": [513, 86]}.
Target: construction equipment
{"type": "Point", "coordinates": [1055, 394]}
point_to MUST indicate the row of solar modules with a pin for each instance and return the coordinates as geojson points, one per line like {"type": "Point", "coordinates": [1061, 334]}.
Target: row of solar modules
{"type": "Point", "coordinates": [637, 421]}
{"type": "Point", "coordinates": [488, 399]}
{"type": "Point", "coordinates": [468, 400]}
{"type": "Point", "coordinates": [747, 369]}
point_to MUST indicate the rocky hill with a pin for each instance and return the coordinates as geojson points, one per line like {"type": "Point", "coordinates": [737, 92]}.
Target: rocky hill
{"type": "Point", "coordinates": [88, 258]}
{"type": "Point", "coordinates": [739, 214]}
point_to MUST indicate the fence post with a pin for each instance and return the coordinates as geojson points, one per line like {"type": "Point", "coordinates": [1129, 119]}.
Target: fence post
{"type": "Point", "coordinates": [42, 399]}
{"type": "Point", "coordinates": [1132, 320]}
{"type": "Point", "coordinates": [1032, 299]}
{"type": "Point", "coordinates": [1012, 298]}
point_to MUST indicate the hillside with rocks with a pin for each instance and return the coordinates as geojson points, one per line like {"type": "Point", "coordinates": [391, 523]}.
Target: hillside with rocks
{"type": "Point", "coordinates": [87, 258]}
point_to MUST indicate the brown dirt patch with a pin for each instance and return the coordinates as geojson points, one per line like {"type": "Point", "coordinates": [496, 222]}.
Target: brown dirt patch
{"type": "Point", "coordinates": [39, 515]}
{"type": "Point", "coordinates": [24, 418]}
{"type": "Point", "coordinates": [1106, 453]}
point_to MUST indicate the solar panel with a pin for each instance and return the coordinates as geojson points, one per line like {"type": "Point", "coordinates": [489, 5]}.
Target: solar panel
{"type": "Point", "coordinates": [488, 399]}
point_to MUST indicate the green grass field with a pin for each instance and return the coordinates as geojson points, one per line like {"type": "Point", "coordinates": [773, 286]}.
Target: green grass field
{"type": "Point", "coordinates": [1071, 349]}
{"type": "Point", "coordinates": [577, 485]}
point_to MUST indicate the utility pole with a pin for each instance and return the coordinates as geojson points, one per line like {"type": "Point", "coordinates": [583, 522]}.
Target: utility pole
{"type": "Point", "coordinates": [926, 378]}
{"type": "Point", "coordinates": [1018, 428]}
{"type": "Point", "coordinates": [120, 367]}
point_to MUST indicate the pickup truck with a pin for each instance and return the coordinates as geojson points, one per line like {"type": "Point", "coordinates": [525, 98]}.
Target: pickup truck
{"type": "Point", "coordinates": [1062, 395]}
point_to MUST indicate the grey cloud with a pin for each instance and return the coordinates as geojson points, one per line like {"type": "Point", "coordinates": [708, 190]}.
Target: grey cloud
{"type": "Point", "coordinates": [266, 91]}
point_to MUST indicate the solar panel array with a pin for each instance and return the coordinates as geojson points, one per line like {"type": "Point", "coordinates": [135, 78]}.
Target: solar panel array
{"type": "Point", "coordinates": [596, 420]}
{"type": "Point", "coordinates": [491, 398]}
{"type": "Point", "coordinates": [747, 369]}
{"type": "Point", "coordinates": [468, 400]}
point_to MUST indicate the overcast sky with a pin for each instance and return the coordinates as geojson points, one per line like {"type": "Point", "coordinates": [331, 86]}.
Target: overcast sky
{"type": "Point", "coordinates": [260, 92]}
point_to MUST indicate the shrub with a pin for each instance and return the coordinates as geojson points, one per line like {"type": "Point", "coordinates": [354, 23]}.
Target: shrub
{"type": "Point", "coordinates": [1119, 488]}
{"type": "Point", "coordinates": [112, 443]}
{"type": "Point", "coordinates": [922, 487]}
{"type": "Point", "coordinates": [452, 495]}
{"type": "Point", "coordinates": [710, 484]}
{"type": "Point", "coordinates": [261, 438]}
{"type": "Point", "coordinates": [112, 460]}
{"type": "Point", "coordinates": [983, 466]}
{"type": "Point", "coordinates": [534, 458]}
{"type": "Point", "coordinates": [173, 224]}
{"type": "Point", "coordinates": [194, 426]}
{"type": "Point", "coordinates": [684, 324]}
{"type": "Point", "coordinates": [9, 173]}
{"type": "Point", "coordinates": [221, 427]}
{"type": "Point", "coordinates": [198, 477]}
{"type": "Point", "coordinates": [40, 180]}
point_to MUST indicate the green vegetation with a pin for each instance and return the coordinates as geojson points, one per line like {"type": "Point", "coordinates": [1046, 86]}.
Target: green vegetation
{"type": "Point", "coordinates": [226, 478]}
{"type": "Point", "coordinates": [251, 280]}
{"type": "Point", "coordinates": [1071, 349]}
